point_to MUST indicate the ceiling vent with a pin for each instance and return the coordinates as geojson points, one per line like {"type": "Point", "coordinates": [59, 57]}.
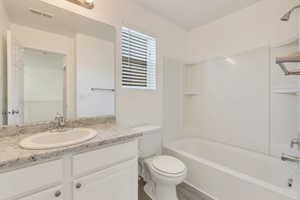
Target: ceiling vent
{"type": "Point", "coordinates": [41, 13]}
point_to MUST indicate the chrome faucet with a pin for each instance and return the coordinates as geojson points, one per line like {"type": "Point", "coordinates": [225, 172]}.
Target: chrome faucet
{"type": "Point", "coordinates": [296, 141]}
{"type": "Point", "coordinates": [60, 121]}
{"type": "Point", "coordinates": [289, 158]}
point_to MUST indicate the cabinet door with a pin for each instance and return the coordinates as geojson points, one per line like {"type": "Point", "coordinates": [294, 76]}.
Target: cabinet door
{"type": "Point", "coordinates": [27, 180]}
{"type": "Point", "coordinates": [51, 194]}
{"type": "Point", "coordinates": [116, 183]}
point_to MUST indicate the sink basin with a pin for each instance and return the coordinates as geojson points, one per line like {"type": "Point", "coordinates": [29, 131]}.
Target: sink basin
{"type": "Point", "coordinates": [56, 139]}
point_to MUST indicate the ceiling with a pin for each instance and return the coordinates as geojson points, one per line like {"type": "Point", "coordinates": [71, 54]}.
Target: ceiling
{"type": "Point", "coordinates": [190, 14]}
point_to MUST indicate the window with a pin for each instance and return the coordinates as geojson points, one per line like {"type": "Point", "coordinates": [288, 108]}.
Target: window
{"type": "Point", "coordinates": [138, 60]}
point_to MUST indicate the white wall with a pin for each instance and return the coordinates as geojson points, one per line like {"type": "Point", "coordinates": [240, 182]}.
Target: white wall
{"type": "Point", "coordinates": [4, 24]}
{"type": "Point", "coordinates": [252, 28]}
{"type": "Point", "coordinates": [95, 68]}
{"type": "Point", "coordinates": [51, 42]}
{"type": "Point", "coordinates": [137, 106]}
{"type": "Point", "coordinates": [171, 42]}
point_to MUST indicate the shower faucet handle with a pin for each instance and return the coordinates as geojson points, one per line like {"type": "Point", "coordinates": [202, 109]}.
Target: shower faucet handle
{"type": "Point", "coordinates": [296, 141]}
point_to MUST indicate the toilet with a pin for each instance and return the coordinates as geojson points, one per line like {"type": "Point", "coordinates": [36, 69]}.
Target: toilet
{"type": "Point", "coordinates": [165, 172]}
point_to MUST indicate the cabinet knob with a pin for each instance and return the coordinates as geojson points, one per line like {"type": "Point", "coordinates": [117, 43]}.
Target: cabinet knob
{"type": "Point", "coordinates": [57, 193]}
{"type": "Point", "coordinates": [78, 185]}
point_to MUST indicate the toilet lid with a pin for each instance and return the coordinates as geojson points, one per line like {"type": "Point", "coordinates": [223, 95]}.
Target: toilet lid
{"type": "Point", "coordinates": [168, 164]}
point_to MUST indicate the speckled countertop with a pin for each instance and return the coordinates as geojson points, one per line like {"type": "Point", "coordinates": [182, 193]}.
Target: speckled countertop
{"type": "Point", "coordinates": [13, 156]}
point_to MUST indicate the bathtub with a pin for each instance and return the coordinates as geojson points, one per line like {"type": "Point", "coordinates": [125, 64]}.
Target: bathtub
{"type": "Point", "coordinates": [229, 173]}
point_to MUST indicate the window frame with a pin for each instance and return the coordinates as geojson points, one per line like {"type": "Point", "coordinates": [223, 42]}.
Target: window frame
{"type": "Point", "coordinates": [138, 30]}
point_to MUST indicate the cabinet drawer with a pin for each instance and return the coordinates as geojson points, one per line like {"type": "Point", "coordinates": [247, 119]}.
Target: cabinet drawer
{"type": "Point", "coordinates": [50, 194]}
{"type": "Point", "coordinates": [102, 158]}
{"type": "Point", "coordinates": [25, 180]}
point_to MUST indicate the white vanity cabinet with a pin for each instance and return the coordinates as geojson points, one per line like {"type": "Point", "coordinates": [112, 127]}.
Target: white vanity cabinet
{"type": "Point", "coordinates": [26, 181]}
{"type": "Point", "coordinates": [115, 183]}
{"type": "Point", "coordinates": [109, 173]}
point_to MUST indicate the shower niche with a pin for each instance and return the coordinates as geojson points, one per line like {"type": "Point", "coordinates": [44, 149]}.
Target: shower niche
{"type": "Point", "coordinates": [189, 88]}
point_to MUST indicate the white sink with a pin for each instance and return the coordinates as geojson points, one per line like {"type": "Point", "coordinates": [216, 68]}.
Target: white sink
{"type": "Point", "coordinates": [56, 139]}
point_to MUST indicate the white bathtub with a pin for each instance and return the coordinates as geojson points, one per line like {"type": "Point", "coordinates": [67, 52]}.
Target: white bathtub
{"type": "Point", "coordinates": [228, 173]}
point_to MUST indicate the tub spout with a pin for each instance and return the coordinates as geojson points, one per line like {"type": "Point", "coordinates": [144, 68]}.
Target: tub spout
{"type": "Point", "coordinates": [289, 158]}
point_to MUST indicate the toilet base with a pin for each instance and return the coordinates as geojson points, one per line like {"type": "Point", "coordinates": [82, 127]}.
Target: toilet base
{"type": "Point", "coordinates": [166, 192]}
{"type": "Point", "coordinates": [161, 192]}
{"type": "Point", "coordinates": [149, 189]}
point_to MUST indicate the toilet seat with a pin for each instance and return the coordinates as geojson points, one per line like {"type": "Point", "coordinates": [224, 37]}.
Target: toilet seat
{"type": "Point", "coordinates": [168, 166]}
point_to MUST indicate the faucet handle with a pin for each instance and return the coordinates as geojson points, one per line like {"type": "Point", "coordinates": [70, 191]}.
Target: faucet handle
{"type": "Point", "coordinates": [58, 116]}
{"type": "Point", "coordinates": [296, 141]}
{"type": "Point", "coordinates": [60, 120]}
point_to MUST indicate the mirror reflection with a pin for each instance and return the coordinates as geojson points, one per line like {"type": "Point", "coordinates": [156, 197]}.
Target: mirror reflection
{"type": "Point", "coordinates": [55, 63]}
{"type": "Point", "coordinates": [43, 85]}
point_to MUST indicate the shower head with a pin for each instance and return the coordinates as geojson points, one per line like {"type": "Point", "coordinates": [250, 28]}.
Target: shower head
{"type": "Point", "coordinates": [287, 16]}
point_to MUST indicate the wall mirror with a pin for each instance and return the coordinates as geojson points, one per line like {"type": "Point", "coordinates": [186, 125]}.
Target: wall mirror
{"type": "Point", "coordinates": [54, 62]}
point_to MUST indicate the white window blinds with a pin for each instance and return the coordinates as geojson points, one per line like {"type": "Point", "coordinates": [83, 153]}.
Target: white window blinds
{"type": "Point", "coordinates": [138, 60]}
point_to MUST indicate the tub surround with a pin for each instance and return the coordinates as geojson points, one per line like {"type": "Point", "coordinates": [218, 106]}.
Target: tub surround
{"type": "Point", "coordinates": [12, 156]}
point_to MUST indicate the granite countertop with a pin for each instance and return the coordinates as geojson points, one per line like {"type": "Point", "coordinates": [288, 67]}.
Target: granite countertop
{"type": "Point", "coordinates": [13, 156]}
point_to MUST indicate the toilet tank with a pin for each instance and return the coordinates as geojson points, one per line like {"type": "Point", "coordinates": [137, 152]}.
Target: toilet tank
{"type": "Point", "coordinates": [151, 142]}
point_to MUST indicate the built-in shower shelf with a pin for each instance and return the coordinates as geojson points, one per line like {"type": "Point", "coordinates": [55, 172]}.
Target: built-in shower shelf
{"type": "Point", "coordinates": [191, 93]}
{"type": "Point", "coordinates": [290, 91]}
{"type": "Point", "coordinates": [191, 64]}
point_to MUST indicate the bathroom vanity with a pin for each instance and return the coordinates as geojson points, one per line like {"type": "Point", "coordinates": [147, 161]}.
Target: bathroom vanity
{"type": "Point", "coordinates": [61, 65]}
{"type": "Point", "coordinates": [104, 167]}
